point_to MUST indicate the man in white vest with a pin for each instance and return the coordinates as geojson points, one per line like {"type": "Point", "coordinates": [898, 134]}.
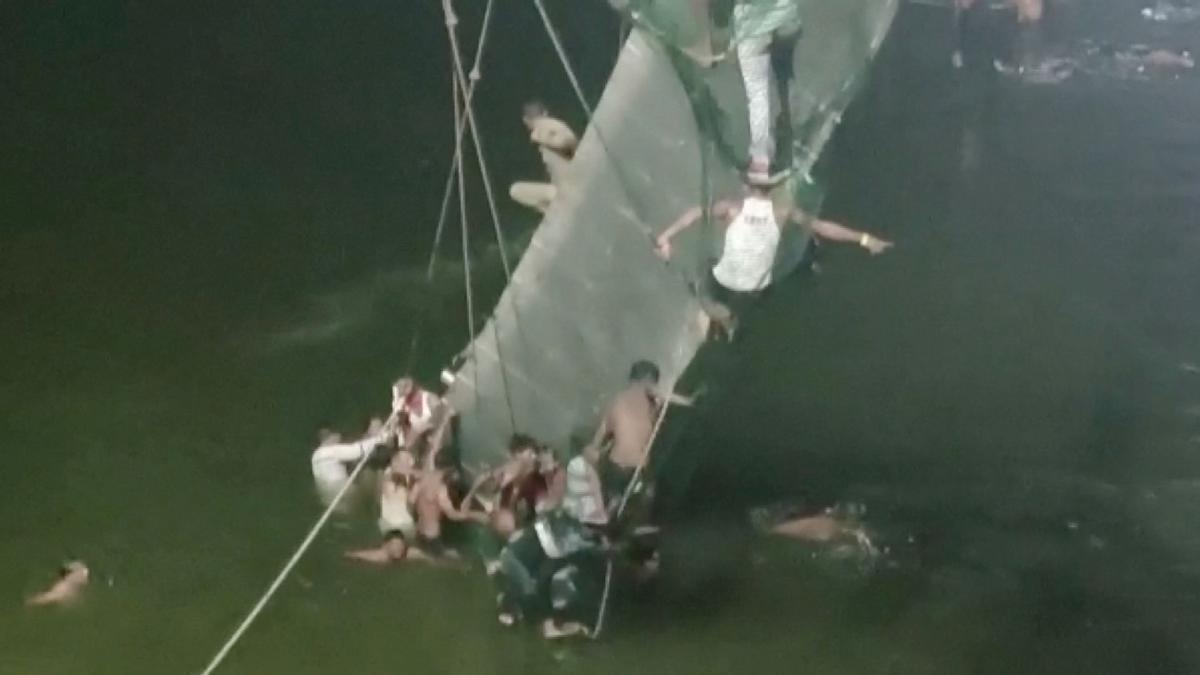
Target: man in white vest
{"type": "Point", "coordinates": [752, 233]}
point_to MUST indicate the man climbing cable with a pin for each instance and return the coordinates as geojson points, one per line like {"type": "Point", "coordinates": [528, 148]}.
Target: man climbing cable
{"type": "Point", "coordinates": [556, 144]}
{"type": "Point", "coordinates": [752, 234]}
{"type": "Point", "coordinates": [627, 427]}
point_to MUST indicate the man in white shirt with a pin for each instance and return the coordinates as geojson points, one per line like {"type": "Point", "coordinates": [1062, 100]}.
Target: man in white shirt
{"type": "Point", "coordinates": [333, 459]}
{"type": "Point", "coordinates": [753, 227]}
{"type": "Point", "coordinates": [584, 498]}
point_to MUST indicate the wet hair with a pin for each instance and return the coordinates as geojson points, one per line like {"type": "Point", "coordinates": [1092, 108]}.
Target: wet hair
{"type": "Point", "coordinates": [534, 109]}
{"type": "Point", "coordinates": [70, 565]}
{"type": "Point", "coordinates": [643, 371]}
{"type": "Point", "coordinates": [520, 442]}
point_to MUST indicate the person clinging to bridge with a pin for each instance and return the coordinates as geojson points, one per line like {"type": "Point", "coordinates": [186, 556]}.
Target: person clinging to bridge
{"type": "Point", "coordinates": [765, 41]}
{"type": "Point", "coordinates": [626, 431]}
{"type": "Point", "coordinates": [556, 144]}
{"type": "Point", "coordinates": [752, 235]}
{"type": "Point", "coordinates": [415, 412]}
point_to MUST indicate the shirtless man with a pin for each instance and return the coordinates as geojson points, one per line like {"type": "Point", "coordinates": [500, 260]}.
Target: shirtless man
{"type": "Point", "coordinates": [431, 499]}
{"type": "Point", "coordinates": [396, 523]}
{"type": "Point", "coordinates": [556, 143]}
{"type": "Point", "coordinates": [626, 428]}
{"type": "Point", "coordinates": [72, 578]}
{"type": "Point", "coordinates": [830, 525]}
{"type": "Point", "coordinates": [753, 227]}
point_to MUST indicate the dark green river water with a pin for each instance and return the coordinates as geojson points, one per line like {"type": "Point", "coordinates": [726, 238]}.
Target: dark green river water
{"type": "Point", "coordinates": [213, 226]}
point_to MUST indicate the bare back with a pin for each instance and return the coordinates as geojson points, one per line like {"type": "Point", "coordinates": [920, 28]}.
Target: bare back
{"type": "Point", "coordinates": [428, 497]}
{"type": "Point", "coordinates": [630, 422]}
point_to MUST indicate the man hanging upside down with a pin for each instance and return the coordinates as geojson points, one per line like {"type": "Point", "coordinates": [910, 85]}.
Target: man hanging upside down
{"type": "Point", "coordinates": [752, 233]}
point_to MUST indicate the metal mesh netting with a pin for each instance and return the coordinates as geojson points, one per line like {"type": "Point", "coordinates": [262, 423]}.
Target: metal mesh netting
{"type": "Point", "coordinates": [589, 297]}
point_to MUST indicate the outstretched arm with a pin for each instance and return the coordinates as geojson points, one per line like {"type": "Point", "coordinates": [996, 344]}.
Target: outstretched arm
{"type": "Point", "coordinates": [827, 229]}
{"type": "Point", "coordinates": [684, 221]}
{"type": "Point", "coordinates": [448, 506]}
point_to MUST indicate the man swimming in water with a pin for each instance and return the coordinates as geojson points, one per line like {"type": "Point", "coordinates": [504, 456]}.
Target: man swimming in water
{"type": "Point", "coordinates": [72, 578]}
{"type": "Point", "coordinates": [834, 525]}
{"type": "Point", "coordinates": [396, 523]}
{"type": "Point", "coordinates": [556, 144]}
{"type": "Point", "coordinates": [752, 234]}
{"type": "Point", "coordinates": [431, 499]}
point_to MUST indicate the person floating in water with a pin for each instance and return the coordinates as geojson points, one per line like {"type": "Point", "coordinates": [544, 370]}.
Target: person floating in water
{"type": "Point", "coordinates": [752, 234]}
{"type": "Point", "coordinates": [556, 143]}
{"type": "Point", "coordinates": [835, 526]}
{"type": "Point", "coordinates": [396, 522]}
{"type": "Point", "coordinates": [73, 577]}
{"type": "Point", "coordinates": [430, 497]}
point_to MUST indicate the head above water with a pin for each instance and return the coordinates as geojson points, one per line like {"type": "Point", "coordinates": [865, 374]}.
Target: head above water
{"type": "Point", "coordinates": [532, 111]}
{"type": "Point", "coordinates": [74, 569]}
{"type": "Point", "coordinates": [644, 371]}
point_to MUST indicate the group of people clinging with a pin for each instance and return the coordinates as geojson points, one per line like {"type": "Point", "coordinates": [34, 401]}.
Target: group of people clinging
{"type": "Point", "coordinates": [550, 523]}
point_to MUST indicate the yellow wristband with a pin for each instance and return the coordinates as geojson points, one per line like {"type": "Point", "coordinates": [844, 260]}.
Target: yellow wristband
{"type": "Point", "coordinates": [864, 240]}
